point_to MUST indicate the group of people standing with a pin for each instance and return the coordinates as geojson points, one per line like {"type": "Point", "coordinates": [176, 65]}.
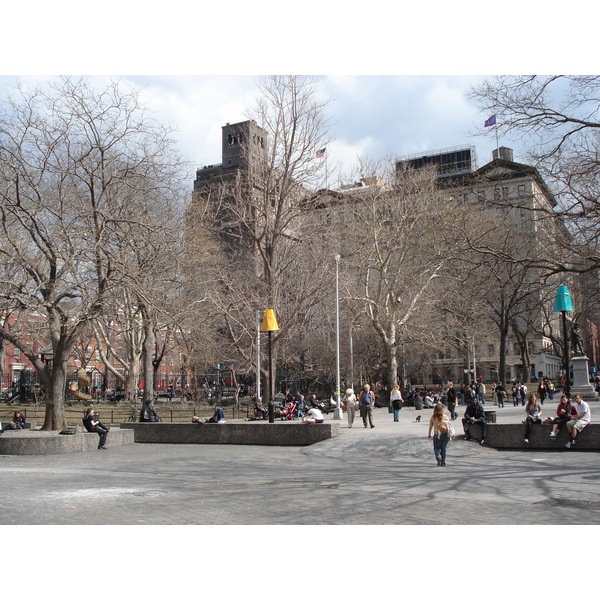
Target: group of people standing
{"type": "Point", "coordinates": [365, 402]}
{"type": "Point", "coordinates": [520, 393]}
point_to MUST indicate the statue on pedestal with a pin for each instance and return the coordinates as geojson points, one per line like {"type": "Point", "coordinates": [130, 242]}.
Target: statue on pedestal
{"type": "Point", "coordinates": [576, 341]}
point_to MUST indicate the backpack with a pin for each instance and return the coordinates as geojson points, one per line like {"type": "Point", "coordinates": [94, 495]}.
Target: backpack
{"type": "Point", "coordinates": [450, 429]}
{"type": "Point", "coordinates": [447, 427]}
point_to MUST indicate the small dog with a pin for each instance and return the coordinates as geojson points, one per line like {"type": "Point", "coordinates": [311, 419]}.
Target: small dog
{"type": "Point", "coordinates": [418, 420]}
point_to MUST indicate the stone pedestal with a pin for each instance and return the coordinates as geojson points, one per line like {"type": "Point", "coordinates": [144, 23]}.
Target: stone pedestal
{"type": "Point", "coordinates": [581, 379]}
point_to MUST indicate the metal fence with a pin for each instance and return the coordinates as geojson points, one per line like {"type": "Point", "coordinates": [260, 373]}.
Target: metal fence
{"type": "Point", "coordinates": [123, 413]}
{"type": "Point", "coordinates": [24, 387]}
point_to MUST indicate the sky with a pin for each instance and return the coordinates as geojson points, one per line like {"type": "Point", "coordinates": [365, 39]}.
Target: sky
{"type": "Point", "coordinates": [370, 116]}
{"type": "Point", "coordinates": [398, 80]}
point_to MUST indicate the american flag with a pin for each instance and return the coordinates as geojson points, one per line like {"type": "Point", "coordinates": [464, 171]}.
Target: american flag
{"type": "Point", "coordinates": [321, 153]}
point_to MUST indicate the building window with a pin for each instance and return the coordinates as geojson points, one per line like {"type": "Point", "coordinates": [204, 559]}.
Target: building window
{"type": "Point", "coordinates": [17, 353]}
{"type": "Point", "coordinates": [521, 191]}
{"type": "Point", "coordinates": [481, 195]}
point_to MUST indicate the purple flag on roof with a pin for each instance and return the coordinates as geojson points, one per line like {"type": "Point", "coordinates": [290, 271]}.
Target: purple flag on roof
{"type": "Point", "coordinates": [491, 121]}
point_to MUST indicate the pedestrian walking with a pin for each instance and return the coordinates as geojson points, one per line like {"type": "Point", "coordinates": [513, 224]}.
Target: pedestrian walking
{"type": "Point", "coordinates": [501, 395]}
{"type": "Point", "coordinates": [442, 432]}
{"type": "Point", "coordinates": [451, 399]}
{"type": "Point", "coordinates": [366, 402]}
{"type": "Point", "coordinates": [396, 401]}
{"type": "Point", "coordinates": [350, 402]}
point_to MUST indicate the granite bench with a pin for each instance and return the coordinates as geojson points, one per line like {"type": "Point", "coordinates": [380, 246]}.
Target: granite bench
{"type": "Point", "coordinates": [52, 442]}
{"type": "Point", "coordinates": [259, 433]}
{"type": "Point", "coordinates": [512, 436]}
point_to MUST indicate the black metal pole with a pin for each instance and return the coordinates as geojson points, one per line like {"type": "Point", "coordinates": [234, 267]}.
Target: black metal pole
{"type": "Point", "coordinates": [566, 357]}
{"type": "Point", "coordinates": [270, 405]}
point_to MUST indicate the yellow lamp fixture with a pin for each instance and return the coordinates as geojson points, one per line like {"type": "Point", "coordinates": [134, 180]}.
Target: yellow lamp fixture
{"type": "Point", "coordinates": [269, 321]}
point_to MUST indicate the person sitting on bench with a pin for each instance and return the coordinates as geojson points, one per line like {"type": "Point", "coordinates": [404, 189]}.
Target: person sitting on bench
{"type": "Point", "coordinates": [474, 414]}
{"type": "Point", "coordinates": [261, 408]}
{"type": "Point", "coordinates": [18, 422]}
{"type": "Point", "coordinates": [314, 415]}
{"type": "Point", "coordinates": [148, 414]}
{"type": "Point", "coordinates": [95, 427]}
{"type": "Point", "coordinates": [565, 411]}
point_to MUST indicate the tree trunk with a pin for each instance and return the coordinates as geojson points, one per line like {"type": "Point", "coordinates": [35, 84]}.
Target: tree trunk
{"type": "Point", "coordinates": [502, 357]}
{"type": "Point", "coordinates": [392, 362]}
{"type": "Point", "coordinates": [147, 356]}
{"type": "Point", "coordinates": [56, 419]}
{"type": "Point", "coordinates": [131, 380]}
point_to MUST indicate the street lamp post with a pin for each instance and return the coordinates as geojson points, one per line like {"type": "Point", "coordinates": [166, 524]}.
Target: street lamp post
{"type": "Point", "coordinates": [257, 355]}
{"type": "Point", "coordinates": [269, 325]}
{"type": "Point", "coordinates": [474, 363]}
{"type": "Point", "coordinates": [351, 348]}
{"type": "Point", "coordinates": [337, 413]}
{"type": "Point", "coordinates": [564, 304]}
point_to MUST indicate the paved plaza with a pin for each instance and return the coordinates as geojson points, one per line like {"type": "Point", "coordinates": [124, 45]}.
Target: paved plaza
{"type": "Point", "coordinates": [381, 476]}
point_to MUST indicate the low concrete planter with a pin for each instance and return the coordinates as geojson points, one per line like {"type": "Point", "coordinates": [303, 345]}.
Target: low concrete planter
{"type": "Point", "coordinates": [512, 435]}
{"type": "Point", "coordinates": [259, 433]}
{"type": "Point", "coordinates": [51, 442]}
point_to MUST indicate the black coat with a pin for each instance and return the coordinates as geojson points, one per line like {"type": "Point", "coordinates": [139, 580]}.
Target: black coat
{"type": "Point", "coordinates": [148, 414]}
{"type": "Point", "coordinates": [475, 411]}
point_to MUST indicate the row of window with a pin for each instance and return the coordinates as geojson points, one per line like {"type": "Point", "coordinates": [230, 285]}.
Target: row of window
{"type": "Point", "coordinates": [234, 140]}
{"type": "Point", "coordinates": [491, 350]}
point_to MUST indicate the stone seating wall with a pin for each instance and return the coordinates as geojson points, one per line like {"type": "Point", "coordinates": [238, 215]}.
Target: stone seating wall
{"type": "Point", "coordinates": [51, 442]}
{"type": "Point", "coordinates": [512, 435]}
{"type": "Point", "coordinates": [259, 433]}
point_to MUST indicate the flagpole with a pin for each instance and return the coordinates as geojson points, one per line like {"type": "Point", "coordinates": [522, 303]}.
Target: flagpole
{"type": "Point", "coordinates": [491, 122]}
{"type": "Point", "coordinates": [497, 143]}
{"type": "Point", "coordinates": [322, 153]}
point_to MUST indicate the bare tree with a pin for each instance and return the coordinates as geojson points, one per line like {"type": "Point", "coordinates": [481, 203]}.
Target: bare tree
{"type": "Point", "coordinates": [79, 170]}
{"type": "Point", "coordinates": [558, 118]}
{"type": "Point", "coordinates": [399, 243]}
{"type": "Point", "coordinates": [259, 213]}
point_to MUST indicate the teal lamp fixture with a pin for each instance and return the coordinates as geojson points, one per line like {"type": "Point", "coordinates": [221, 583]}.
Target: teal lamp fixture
{"type": "Point", "coordinates": [563, 303]}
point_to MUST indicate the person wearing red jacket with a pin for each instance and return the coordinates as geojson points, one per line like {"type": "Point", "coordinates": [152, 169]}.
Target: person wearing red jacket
{"type": "Point", "coordinates": [564, 412]}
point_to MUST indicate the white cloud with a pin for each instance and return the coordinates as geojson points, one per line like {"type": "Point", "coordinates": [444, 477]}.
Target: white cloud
{"type": "Point", "coordinates": [372, 117]}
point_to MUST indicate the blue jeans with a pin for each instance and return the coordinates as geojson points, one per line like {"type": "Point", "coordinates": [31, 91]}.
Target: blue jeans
{"type": "Point", "coordinates": [218, 416]}
{"type": "Point", "coordinates": [396, 414]}
{"type": "Point", "coordinates": [440, 442]}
